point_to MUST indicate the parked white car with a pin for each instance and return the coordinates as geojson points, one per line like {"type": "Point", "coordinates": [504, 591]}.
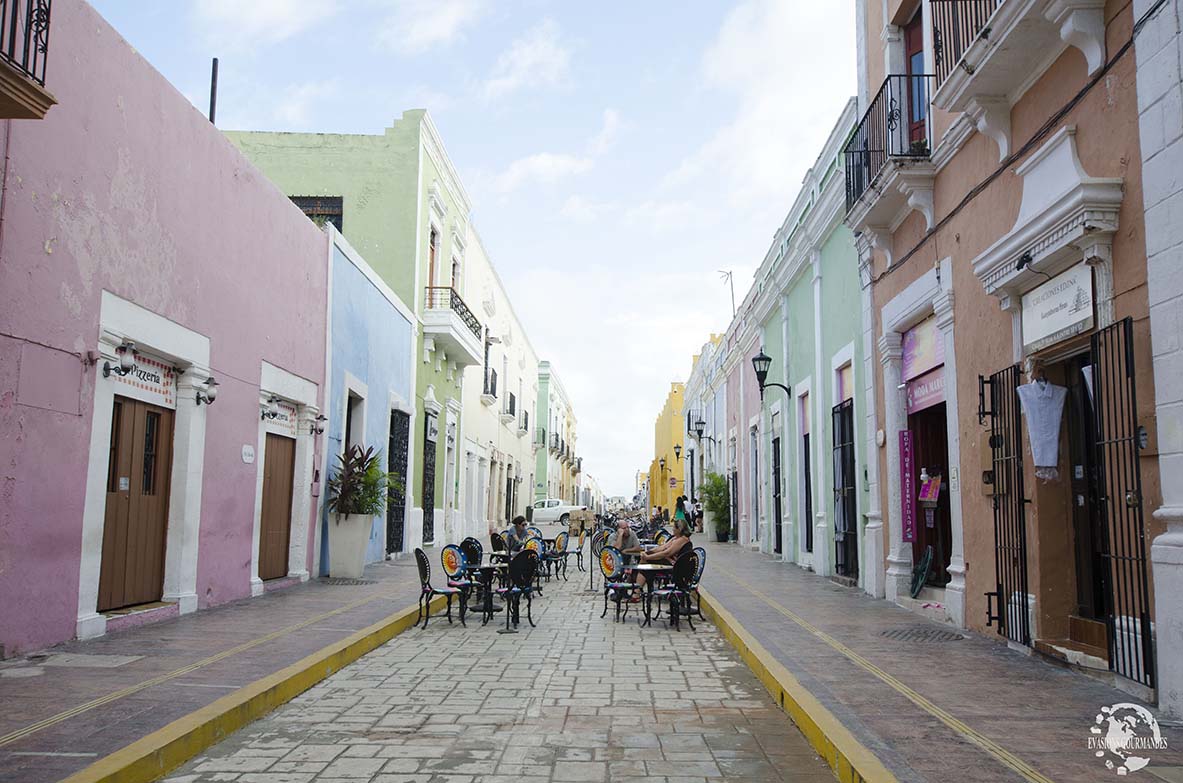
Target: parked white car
{"type": "Point", "coordinates": [552, 510]}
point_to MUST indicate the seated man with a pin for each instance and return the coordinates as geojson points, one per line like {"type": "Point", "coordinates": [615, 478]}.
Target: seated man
{"type": "Point", "coordinates": [626, 540]}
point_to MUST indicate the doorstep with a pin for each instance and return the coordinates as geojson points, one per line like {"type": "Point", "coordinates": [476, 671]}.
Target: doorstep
{"type": "Point", "coordinates": [143, 614]}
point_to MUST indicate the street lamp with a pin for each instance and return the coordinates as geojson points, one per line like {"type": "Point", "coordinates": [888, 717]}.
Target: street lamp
{"type": "Point", "coordinates": [760, 363]}
{"type": "Point", "coordinates": [661, 462]}
{"type": "Point", "coordinates": [678, 451]}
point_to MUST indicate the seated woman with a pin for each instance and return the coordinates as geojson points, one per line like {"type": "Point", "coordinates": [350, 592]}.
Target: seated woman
{"type": "Point", "coordinates": [669, 552]}
{"type": "Point", "coordinates": [516, 536]}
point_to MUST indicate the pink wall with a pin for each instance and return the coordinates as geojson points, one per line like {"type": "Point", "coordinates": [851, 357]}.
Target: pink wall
{"type": "Point", "coordinates": [126, 187]}
{"type": "Point", "coordinates": [740, 410]}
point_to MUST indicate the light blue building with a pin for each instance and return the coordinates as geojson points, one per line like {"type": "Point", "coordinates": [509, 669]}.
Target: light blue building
{"type": "Point", "coordinates": [370, 374]}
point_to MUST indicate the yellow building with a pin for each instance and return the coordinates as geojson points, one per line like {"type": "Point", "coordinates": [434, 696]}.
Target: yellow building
{"type": "Point", "coordinates": [667, 481]}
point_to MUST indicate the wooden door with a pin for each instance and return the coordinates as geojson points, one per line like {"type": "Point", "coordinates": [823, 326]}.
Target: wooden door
{"type": "Point", "coordinates": [275, 530]}
{"type": "Point", "coordinates": [139, 471]}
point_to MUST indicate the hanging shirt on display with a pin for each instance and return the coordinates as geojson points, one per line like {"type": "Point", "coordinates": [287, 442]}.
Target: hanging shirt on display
{"type": "Point", "coordinates": [1043, 407]}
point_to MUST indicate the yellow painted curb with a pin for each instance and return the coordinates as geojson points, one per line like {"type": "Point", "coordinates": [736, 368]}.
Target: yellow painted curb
{"type": "Point", "coordinates": [165, 749]}
{"type": "Point", "coordinates": [851, 761]}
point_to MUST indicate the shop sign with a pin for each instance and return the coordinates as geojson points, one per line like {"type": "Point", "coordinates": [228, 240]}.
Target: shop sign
{"type": "Point", "coordinates": [926, 391]}
{"type": "Point", "coordinates": [285, 423]}
{"type": "Point", "coordinates": [907, 487]}
{"type": "Point", "coordinates": [152, 381]}
{"type": "Point", "coordinates": [433, 428]}
{"type": "Point", "coordinates": [1060, 308]}
{"type": "Point", "coordinates": [923, 349]}
{"type": "Point", "coordinates": [673, 483]}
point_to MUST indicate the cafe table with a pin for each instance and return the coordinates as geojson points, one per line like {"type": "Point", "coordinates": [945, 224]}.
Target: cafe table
{"type": "Point", "coordinates": [651, 571]}
{"type": "Point", "coordinates": [486, 572]}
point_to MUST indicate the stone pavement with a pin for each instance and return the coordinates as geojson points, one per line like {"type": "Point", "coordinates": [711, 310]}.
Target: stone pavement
{"type": "Point", "coordinates": [61, 711]}
{"type": "Point", "coordinates": [966, 706]}
{"type": "Point", "coordinates": [578, 698]}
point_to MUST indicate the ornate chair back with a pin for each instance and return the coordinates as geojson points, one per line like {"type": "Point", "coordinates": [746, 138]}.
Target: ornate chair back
{"type": "Point", "coordinates": [474, 553]}
{"type": "Point", "coordinates": [534, 532]}
{"type": "Point", "coordinates": [497, 541]}
{"type": "Point", "coordinates": [561, 542]}
{"type": "Point", "coordinates": [702, 564]}
{"type": "Point", "coordinates": [535, 545]}
{"type": "Point", "coordinates": [611, 563]}
{"type": "Point", "coordinates": [522, 568]}
{"type": "Point", "coordinates": [684, 570]}
{"type": "Point", "coordinates": [662, 536]}
{"type": "Point", "coordinates": [452, 559]}
{"type": "Point", "coordinates": [424, 568]}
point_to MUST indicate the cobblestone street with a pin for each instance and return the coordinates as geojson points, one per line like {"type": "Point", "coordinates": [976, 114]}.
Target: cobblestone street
{"type": "Point", "coordinates": [575, 699]}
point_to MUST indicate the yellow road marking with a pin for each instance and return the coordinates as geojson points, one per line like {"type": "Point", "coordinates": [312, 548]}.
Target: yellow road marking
{"type": "Point", "coordinates": [53, 720]}
{"type": "Point", "coordinates": [1000, 753]}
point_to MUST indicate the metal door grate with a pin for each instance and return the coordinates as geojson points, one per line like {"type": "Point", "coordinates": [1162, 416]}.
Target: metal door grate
{"type": "Point", "coordinates": [428, 484]}
{"type": "Point", "coordinates": [776, 509]}
{"type": "Point", "coordinates": [845, 524]}
{"type": "Point", "coordinates": [1111, 381]}
{"type": "Point", "coordinates": [396, 500]}
{"type": "Point", "coordinates": [1007, 604]}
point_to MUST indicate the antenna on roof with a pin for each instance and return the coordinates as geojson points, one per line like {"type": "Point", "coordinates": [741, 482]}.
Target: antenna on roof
{"type": "Point", "coordinates": [213, 90]}
{"type": "Point", "coordinates": [727, 278]}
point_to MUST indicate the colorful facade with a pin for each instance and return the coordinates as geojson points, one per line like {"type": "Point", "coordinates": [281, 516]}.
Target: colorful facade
{"type": "Point", "coordinates": [397, 198]}
{"type": "Point", "coordinates": [132, 243]}
{"type": "Point", "coordinates": [667, 469]}
{"type": "Point", "coordinates": [556, 465]}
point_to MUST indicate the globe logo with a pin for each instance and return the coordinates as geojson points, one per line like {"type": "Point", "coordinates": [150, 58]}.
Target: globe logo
{"type": "Point", "coordinates": [1122, 734]}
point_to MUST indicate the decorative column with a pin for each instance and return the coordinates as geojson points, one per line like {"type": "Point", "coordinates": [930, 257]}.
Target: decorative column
{"type": "Point", "coordinates": [899, 558]}
{"type": "Point", "coordinates": [304, 506]}
{"type": "Point", "coordinates": [1160, 105]}
{"type": "Point", "coordinates": [872, 565]}
{"type": "Point", "coordinates": [184, 507]}
{"type": "Point", "coordinates": [942, 306]}
{"type": "Point", "coordinates": [823, 537]}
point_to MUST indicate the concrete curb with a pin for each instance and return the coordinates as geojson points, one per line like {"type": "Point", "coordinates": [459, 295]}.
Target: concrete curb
{"type": "Point", "coordinates": [851, 761]}
{"type": "Point", "coordinates": [165, 749]}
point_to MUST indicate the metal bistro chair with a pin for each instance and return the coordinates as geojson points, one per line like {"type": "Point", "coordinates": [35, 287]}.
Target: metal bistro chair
{"type": "Point", "coordinates": [578, 551]}
{"type": "Point", "coordinates": [662, 536]}
{"type": "Point", "coordinates": [474, 555]}
{"type": "Point", "coordinates": [557, 555]}
{"type": "Point", "coordinates": [522, 571]}
{"type": "Point", "coordinates": [677, 590]}
{"type": "Point", "coordinates": [538, 546]}
{"type": "Point", "coordinates": [455, 564]}
{"type": "Point", "coordinates": [702, 564]}
{"type": "Point", "coordinates": [612, 567]}
{"type": "Point", "coordinates": [534, 532]}
{"type": "Point", "coordinates": [427, 592]}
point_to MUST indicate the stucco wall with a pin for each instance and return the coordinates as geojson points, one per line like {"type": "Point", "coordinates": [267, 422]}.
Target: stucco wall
{"type": "Point", "coordinates": [372, 342]}
{"type": "Point", "coordinates": [125, 187]}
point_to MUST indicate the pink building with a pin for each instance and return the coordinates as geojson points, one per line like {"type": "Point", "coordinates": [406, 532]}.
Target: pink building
{"type": "Point", "coordinates": [741, 342]}
{"type": "Point", "coordinates": [131, 230]}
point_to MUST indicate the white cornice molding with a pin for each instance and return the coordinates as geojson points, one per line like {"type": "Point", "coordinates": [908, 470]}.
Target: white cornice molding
{"type": "Point", "coordinates": [433, 143]}
{"type": "Point", "coordinates": [1065, 216]}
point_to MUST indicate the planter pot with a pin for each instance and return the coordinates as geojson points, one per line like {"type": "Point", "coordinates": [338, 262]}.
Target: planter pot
{"type": "Point", "coordinates": [721, 536]}
{"type": "Point", "coordinates": [348, 537]}
{"type": "Point", "coordinates": [708, 522]}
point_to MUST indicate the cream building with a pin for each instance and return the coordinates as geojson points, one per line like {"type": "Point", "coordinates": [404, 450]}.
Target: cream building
{"type": "Point", "coordinates": [499, 398]}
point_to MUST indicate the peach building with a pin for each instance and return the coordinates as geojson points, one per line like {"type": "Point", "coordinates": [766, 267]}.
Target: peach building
{"type": "Point", "coordinates": [995, 183]}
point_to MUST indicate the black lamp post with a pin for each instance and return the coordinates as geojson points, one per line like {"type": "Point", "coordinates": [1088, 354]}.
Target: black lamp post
{"type": "Point", "coordinates": [760, 363]}
{"type": "Point", "coordinates": [678, 451]}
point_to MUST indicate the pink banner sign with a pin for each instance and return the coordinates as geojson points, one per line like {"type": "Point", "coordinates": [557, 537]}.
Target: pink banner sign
{"type": "Point", "coordinates": [907, 488]}
{"type": "Point", "coordinates": [926, 391]}
{"type": "Point", "coordinates": [923, 349]}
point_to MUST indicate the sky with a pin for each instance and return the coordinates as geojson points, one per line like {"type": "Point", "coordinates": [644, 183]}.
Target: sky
{"type": "Point", "coordinates": [618, 155]}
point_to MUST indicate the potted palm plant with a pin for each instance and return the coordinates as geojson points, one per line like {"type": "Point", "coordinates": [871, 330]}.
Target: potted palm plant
{"type": "Point", "coordinates": [716, 504]}
{"type": "Point", "coordinates": [356, 494]}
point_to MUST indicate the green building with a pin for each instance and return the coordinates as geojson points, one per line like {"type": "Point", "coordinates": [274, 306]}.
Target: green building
{"type": "Point", "coordinates": [399, 202]}
{"type": "Point", "coordinates": [808, 310]}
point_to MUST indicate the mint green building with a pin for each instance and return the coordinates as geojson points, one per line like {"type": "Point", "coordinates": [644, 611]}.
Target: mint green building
{"type": "Point", "coordinates": [399, 202]}
{"type": "Point", "coordinates": [808, 310]}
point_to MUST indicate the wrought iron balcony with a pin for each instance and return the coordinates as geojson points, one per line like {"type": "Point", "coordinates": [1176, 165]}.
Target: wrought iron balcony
{"type": "Point", "coordinates": [895, 126]}
{"type": "Point", "coordinates": [24, 49]}
{"type": "Point", "coordinates": [439, 297]}
{"type": "Point", "coordinates": [451, 326]}
{"type": "Point", "coordinates": [955, 25]}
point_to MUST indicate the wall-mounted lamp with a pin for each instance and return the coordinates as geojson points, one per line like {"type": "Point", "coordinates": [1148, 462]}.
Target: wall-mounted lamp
{"type": "Point", "coordinates": [1025, 262]}
{"type": "Point", "coordinates": [209, 393]}
{"type": "Point", "coordinates": [127, 360]}
{"type": "Point", "coordinates": [271, 410]}
{"type": "Point", "coordinates": [317, 427]}
{"type": "Point", "coordinates": [661, 462]}
{"type": "Point", "coordinates": [677, 451]}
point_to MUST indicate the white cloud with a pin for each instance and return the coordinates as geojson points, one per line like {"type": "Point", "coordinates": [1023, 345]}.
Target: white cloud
{"type": "Point", "coordinates": [543, 167]}
{"type": "Point", "coordinates": [790, 84]}
{"type": "Point", "coordinates": [297, 100]}
{"type": "Point", "coordinates": [583, 210]}
{"type": "Point", "coordinates": [604, 140]}
{"type": "Point", "coordinates": [415, 26]}
{"type": "Point", "coordinates": [537, 59]}
{"type": "Point", "coordinates": [239, 25]}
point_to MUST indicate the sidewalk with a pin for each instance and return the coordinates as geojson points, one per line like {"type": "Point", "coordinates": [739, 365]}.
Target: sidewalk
{"type": "Point", "coordinates": [88, 699]}
{"type": "Point", "coordinates": [967, 709]}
